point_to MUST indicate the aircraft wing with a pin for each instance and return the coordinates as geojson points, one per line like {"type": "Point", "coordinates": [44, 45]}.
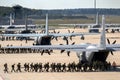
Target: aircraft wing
{"type": "Point", "coordinates": [112, 24]}
{"type": "Point", "coordinates": [76, 48]}
{"type": "Point", "coordinates": [107, 28]}
{"type": "Point", "coordinates": [113, 47]}
{"type": "Point", "coordinates": [90, 24]}
{"type": "Point", "coordinates": [22, 35]}
{"type": "Point", "coordinates": [30, 25]}
{"type": "Point", "coordinates": [21, 29]}
{"type": "Point", "coordinates": [73, 34]}
{"type": "Point", "coordinates": [51, 34]}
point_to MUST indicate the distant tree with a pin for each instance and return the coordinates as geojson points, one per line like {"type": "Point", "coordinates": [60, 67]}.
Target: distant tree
{"type": "Point", "coordinates": [18, 11]}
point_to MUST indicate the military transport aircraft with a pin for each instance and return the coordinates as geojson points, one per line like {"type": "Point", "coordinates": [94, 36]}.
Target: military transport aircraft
{"type": "Point", "coordinates": [83, 25]}
{"type": "Point", "coordinates": [12, 27]}
{"type": "Point", "coordinates": [86, 52]}
{"type": "Point", "coordinates": [93, 26]}
{"type": "Point", "coordinates": [45, 38]}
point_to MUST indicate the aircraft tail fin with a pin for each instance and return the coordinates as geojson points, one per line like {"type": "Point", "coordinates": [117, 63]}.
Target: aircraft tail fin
{"type": "Point", "coordinates": [11, 19]}
{"type": "Point", "coordinates": [26, 25]}
{"type": "Point", "coordinates": [46, 26]}
{"type": "Point", "coordinates": [97, 18]}
{"type": "Point", "coordinates": [103, 36]}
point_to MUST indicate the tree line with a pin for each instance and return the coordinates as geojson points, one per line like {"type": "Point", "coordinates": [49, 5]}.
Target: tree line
{"type": "Point", "coordinates": [58, 13]}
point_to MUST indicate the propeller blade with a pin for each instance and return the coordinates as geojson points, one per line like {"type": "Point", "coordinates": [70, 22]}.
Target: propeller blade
{"type": "Point", "coordinates": [52, 37]}
{"type": "Point", "coordinates": [67, 42]}
{"type": "Point", "coordinates": [108, 41]}
{"type": "Point", "coordinates": [42, 52]}
{"type": "Point", "coordinates": [73, 43]}
{"type": "Point", "coordinates": [62, 51]}
{"type": "Point", "coordinates": [69, 31]}
{"type": "Point", "coordinates": [70, 37]}
{"type": "Point", "coordinates": [49, 52]}
{"type": "Point", "coordinates": [73, 32]}
{"type": "Point", "coordinates": [56, 39]}
{"type": "Point", "coordinates": [114, 42]}
{"type": "Point", "coordinates": [68, 53]}
{"type": "Point", "coordinates": [64, 38]}
{"type": "Point", "coordinates": [58, 31]}
{"type": "Point", "coordinates": [54, 31]}
{"type": "Point", "coordinates": [111, 52]}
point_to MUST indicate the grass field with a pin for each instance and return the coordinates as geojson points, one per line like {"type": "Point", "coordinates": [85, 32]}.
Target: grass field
{"type": "Point", "coordinates": [109, 19]}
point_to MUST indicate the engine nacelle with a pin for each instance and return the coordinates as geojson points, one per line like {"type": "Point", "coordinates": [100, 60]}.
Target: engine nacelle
{"type": "Point", "coordinates": [44, 40]}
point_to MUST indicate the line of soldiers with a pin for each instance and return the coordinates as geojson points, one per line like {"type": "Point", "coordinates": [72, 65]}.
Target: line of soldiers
{"type": "Point", "coordinates": [19, 50]}
{"type": "Point", "coordinates": [58, 67]}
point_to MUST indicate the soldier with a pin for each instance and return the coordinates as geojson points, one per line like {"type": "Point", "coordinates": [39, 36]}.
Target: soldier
{"type": "Point", "coordinates": [59, 67]}
{"type": "Point", "coordinates": [36, 67]}
{"type": "Point", "coordinates": [69, 67]}
{"type": "Point", "coordinates": [64, 67]}
{"type": "Point", "coordinates": [5, 68]}
{"type": "Point", "coordinates": [25, 67]}
{"type": "Point", "coordinates": [78, 66]}
{"type": "Point", "coordinates": [40, 67]}
{"type": "Point", "coordinates": [109, 66]}
{"type": "Point", "coordinates": [31, 67]}
{"type": "Point", "coordinates": [84, 67]}
{"type": "Point", "coordinates": [18, 67]}
{"type": "Point", "coordinates": [13, 68]}
{"type": "Point", "coordinates": [114, 65]}
{"type": "Point", "coordinates": [73, 66]}
{"type": "Point", "coordinates": [47, 67]}
{"type": "Point", "coordinates": [53, 66]}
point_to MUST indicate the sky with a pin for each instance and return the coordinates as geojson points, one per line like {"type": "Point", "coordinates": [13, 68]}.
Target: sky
{"type": "Point", "coordinates": [61, 4]}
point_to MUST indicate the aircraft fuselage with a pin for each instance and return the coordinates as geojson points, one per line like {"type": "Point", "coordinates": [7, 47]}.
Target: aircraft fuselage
{"type": "Point", "coordinates": [89, 57]}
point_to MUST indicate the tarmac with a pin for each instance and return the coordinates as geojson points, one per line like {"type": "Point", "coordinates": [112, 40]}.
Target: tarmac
{"type": "Point", "coordinates": [57, 57]}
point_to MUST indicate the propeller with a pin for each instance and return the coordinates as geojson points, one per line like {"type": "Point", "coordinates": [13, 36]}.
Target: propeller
{"type": "Point", "coordinates": [54, 37]}
{"type": "Point", "coordinates": [66, 39]}
{"type": "Point", "coordinates": [110, 43]}
{"type": "Point", "coordinates": [47, 51]}
{"type": "Point", "coordinates": [68, 52]}
{"type": "Point", "coordinates": [70, 31]}
{"type": "Point", "coordinates": [42, 52]}
{"type": "Point", "coordinates": [56, 32]}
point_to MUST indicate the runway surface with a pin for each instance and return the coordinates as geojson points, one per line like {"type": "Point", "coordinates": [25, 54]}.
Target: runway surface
{"type": "Point", "coordinates": [57, 57]}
